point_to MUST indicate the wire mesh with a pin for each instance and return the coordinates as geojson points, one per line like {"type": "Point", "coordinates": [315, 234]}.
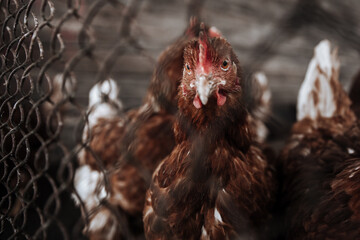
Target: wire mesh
{"type": "Point", "coordinates": [52, 52]}
{"type": "Point", "coordinates": [38, 86]}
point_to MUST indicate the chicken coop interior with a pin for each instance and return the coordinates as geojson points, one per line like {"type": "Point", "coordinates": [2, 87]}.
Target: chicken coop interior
{"type": "Point", "coordinates": [53, 53]}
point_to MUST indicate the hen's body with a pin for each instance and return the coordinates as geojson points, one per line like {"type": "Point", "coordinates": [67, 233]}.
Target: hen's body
{"type": "Point", "coordinates": [216, 183]}
{"type": "Point", "coordinates": [321, 160]}
{"type": "Point", "coordinates": [226, 196]}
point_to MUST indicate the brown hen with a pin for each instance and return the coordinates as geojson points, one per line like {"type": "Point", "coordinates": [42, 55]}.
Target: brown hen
{"type": "Point", "coordinates": [321, 159]}
{"type": "Point", "coordinates": [216, 183]}
{"type": "Point", "coordinates": [125, 150]}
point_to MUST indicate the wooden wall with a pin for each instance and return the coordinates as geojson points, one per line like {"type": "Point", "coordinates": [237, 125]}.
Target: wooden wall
{"type": "Point", "coordinates": [276, 37]}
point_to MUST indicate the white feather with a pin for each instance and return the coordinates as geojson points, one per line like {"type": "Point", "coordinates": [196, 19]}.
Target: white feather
{"type": "Point", "coordinates": [350, 150]}
{"type": "Point", "coordinates": [262, 80]}
{"type": "Point", "coordinates": [217, 216]}
{"type": "Point", "coordinates": [99, 221]}
{"type": "Point", "coordinates": [149, 210]}
{"type": "Point", "coordinates": [321, 68]}
{"type": "Point", "coordinates": [86, 182]}
{"type": "Point", "coordinates": [204, 234]}
{"type": "Point", "coordinates": [100, 109]}
{"type": "Point", "coordinates": [103, 219]}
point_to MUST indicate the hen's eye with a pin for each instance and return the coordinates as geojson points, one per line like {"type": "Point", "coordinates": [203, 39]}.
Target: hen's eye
{"type": "Point", "coordinates": [187, 67]}
{"type": "Point", "coordinates": [225, 65]}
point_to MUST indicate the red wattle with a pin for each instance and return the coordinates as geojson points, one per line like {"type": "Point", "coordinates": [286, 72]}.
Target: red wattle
{"type": "Point", "coordinates": [221, 99]}
{"type": "Point", "coordinates": [197, 102]}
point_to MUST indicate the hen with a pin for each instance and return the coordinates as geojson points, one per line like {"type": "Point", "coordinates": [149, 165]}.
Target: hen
{"type": "Point", "coordinates": [216, 183]}
{"type": "Point", "coordinates": [128, 147]}
{"type": "Point", "coordinates": [321, 159]}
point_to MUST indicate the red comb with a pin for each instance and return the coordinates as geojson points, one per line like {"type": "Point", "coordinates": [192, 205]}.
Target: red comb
{"type": "Point", "coordinates": [202, 33]}
{"type": "Point", "coordinates": [203, 43]}
{"type": "Point", "coordinates": [191, 28]}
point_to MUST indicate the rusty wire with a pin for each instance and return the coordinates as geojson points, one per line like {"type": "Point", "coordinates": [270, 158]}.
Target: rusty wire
{"type": "Point", "coordinates": [34, 184]}
{"type": "Point", "coordinates": [36, 164]}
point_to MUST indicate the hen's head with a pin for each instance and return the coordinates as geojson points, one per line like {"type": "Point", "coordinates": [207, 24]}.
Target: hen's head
{"type": "Point", "coordinates": [167, 75]}
{"type": "Point", "coordinates": [211, 74]}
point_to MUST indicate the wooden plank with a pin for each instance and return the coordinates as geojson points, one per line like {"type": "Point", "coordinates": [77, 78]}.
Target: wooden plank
{"type": "Point", "coordinates": [244, 23]}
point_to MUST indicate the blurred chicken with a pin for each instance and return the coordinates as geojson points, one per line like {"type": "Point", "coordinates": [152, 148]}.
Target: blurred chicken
{"type": "Point", "coordinates": [216, 183]}
{"type": "Point", "coordinates": [321, 159]}
{"type": "Point", "coordinates": [128, 147]}
{"type": "Point", "coordinates": [103, 129]}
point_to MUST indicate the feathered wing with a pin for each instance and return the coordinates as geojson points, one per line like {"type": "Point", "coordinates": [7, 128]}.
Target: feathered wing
{"type": "Point", "coordinates": [168, 203]}
{"type": "Point", "coordinates": [247, 216]}
{"type": "Point", "coordinates": [321, 158]}
{"type": "Point", "coordinates": [178, 208]}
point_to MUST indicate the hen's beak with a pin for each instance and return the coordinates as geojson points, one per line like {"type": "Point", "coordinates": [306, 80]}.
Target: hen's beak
{"type": "Point", "coordinates": [204, 86]}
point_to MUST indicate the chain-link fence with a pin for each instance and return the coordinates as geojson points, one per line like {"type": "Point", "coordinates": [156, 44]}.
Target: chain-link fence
{"type": "Point", "coordinates": [53, 52]}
